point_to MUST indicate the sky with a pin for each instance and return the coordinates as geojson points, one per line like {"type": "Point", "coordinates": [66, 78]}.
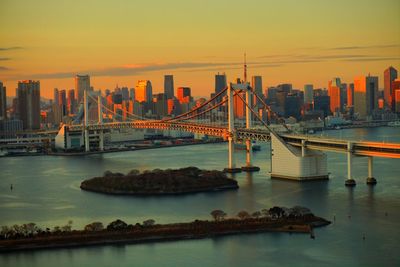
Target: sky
{"type": "Point", "coordinates": [118, 42]}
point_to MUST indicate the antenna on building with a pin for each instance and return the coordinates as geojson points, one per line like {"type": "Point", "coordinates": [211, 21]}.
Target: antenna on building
{"type": "Point", "coordinates": [245, 68]}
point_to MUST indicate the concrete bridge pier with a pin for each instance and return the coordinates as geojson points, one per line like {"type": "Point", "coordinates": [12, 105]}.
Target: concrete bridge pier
{"type": "Point", "coordinates": [231, 129]}
{"type": "Point", "coordinates": [350, 181]}
{"type": "Point", "coordinates": [86, 119]}
{"type": "Point", "coordinates": [101, 132]}
{"type": "Point", "coordinates": [249, 167]}
{"type": "Point", "coordinates": [370, 179]}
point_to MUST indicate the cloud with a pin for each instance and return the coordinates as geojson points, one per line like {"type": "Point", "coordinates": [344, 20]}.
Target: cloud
{"type": "Point", "coordinates": [4, 58]}
{"type": "Point", "coordinates": [10, 48]}
{"type": "Point", "coordinates": [363, 47]}
{"type": "Point", "coordinates": [127, 70]}
{"type": "Point", "coordinates": [373, 59]}
{"type": "Point", "coordinates": [2, 68]}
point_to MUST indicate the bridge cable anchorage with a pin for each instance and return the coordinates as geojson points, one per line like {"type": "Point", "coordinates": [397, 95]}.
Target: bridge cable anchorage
{"type": "Point", "coordinates": [112, 112]}
{"type": "Point", "coordinates": [201, 106]}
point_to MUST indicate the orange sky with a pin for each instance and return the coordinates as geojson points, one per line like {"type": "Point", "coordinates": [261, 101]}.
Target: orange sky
{"type": "Point", "coordinates": [119, 42]}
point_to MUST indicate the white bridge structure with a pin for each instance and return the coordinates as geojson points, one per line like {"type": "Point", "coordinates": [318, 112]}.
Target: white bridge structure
{"type": "Point", "coordinates": [294, 156]}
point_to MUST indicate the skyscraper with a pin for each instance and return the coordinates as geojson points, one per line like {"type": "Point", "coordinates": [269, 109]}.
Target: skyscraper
{"type": "Point", "coordinates": [184, 94]}
{"type": "Point", "coordinates": [28, 94]}
{"type": "Point", "coordinates": [82, 83]}
{"type": "Point", "coordinates": [62, 102]}
{"type": "Point", "coordinates": [220, 82]}
{"type": "Point", "coordinates": [365, 95]}
{"type": "Point", "coordinates": [169, 86]}
{"type": "Point", "coordinates": [256, 84]}
{"type": "Point", "coordinates": [390, 74]}
{"type": "Point", "coordinates": [3, 102]}
{"type": "Point", "coordinates": [334, 93]}
{"type": "Point", "coordinates": [71, 101]}
{"type": "Point", "coordinates": [308, 93]}
{"type": "Point", "coordinates": [350, 95]}
{"type": "Point", "coordinates": [143, 91]}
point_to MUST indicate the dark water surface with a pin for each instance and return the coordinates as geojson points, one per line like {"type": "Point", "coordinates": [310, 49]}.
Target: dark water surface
{"type": "Point", "coordinates": [46, 191]}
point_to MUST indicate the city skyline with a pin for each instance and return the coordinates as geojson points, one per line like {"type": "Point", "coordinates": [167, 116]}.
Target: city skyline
{"type": "Point", "coordinates": [152, 42]}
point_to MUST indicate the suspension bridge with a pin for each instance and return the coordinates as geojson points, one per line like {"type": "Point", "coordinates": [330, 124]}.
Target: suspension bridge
{"type": "Point", "coordinates": [293, 156]}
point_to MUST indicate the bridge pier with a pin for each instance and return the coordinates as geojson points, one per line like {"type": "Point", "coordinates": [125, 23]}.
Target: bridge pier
{"type": "Point", "coordinates": [350, 181]}
{"type": "Point", "coordinates": [370, 179]}
{"type": "Point", "coordinates": [231, 129]}
{"type": "Point", "coordinates": [86, 119]}
{"type": "Point", "coordinates": [249, 167]}
{"type": "Point", "coordinates": [101, 132]}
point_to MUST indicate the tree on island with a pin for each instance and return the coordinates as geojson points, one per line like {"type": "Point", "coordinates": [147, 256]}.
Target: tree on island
{"type": "Point", "coordinates": [276, 212]}
{"type": "Point", "coordinates": [117, 225]}
{"type": "Point", "coordinates": [94, 226]}
{"type": "Point", "coordinates": [256, 214]}
{"type": "Point", "coordinates": [243, 215]}
{"type": "Point", "coordinates": [218, 215]}
{"type": "Point", "coordinates": [149, 222]}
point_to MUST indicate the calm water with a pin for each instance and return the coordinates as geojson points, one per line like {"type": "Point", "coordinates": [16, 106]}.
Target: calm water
{"type": "Point", "coordinates": [46, 191]}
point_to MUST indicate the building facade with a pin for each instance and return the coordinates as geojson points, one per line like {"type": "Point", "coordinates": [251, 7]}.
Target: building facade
{"type": "Point", "coordinates": [28, 95]}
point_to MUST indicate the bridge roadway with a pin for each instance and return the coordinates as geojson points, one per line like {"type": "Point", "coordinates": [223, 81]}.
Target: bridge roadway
{"type": "Point", "coordinates": [359, 148]}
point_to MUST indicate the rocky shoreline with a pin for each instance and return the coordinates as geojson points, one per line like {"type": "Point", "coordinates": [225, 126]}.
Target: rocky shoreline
{"type": "Point", "coordinates": [160, 182]}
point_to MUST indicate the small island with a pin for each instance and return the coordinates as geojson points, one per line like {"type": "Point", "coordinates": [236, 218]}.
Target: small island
{"type": "Point", "coordinates": [30, 236]}
{"type": "Point", "coordinates": [160, 182]}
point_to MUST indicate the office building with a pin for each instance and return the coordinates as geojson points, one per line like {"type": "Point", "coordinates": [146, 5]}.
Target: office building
{"type": "Point", "coordinates": [184, 95]}
{"type": "Point", "coordinates": [308, 94]}
{"type": "Point", "coordinates": [28, 95]}
{"type": "Point", "coordinates": [350, 95]}
{"type": "Point", "coordinates": [143, 91]}
{"type": "Point", "coordinates": [334, 93]}
{"type": "Point", "coordinates": [365, 95]}
{"type": "Point", "coordinates": [389, 75]}
{"type": "Point", "coordinates": [220, 82]}
{"type": "Point", "coordinates": [82, 83]}
{"type": "Point", "coordinates": [169, 86]}
{"type": "Point", "coordinates": [256, 84]}
{"type": "Point", "coordinates": [3, 102]}
{"type": "Point", "coordinates": [322, 104]}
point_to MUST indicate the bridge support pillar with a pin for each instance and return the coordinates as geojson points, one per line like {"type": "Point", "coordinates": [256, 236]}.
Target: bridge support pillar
{"type": "Point", "coordinates": [231, 128]}
{"type": "Point", "coordinates": [86, 119]}
{"type": "Point", "coordinates": [249, 167]}
{"type": "Point", "coordinates": [370, 179]}
{"type": "Point", "coordinates": [349, 181]}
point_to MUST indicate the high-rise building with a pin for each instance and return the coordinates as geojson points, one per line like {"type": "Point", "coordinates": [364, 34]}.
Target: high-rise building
{"type": "Point", "coordinates": [220, 82]}
{"type": "Point", "coordinates": [160, 104]}
{"type": "Point", "coordinates": [82, 83]}
{"type": "Point", "coordinates": [125, 93]}
{"type": "Point", "coordinates": [28, 94]}
{"type": "Point", "coordinates": [390, 74]}
{"type": "Point", "coordinates": [334, 93]}
{"type": "Point", "coordinates": [71, 102]}
{"type": "Point", "coordinates": [132, 94]}
{"type": "Point", "coordinates": [256, 84]}
{"type": "Point", "coordinates": [396, 93]}
{"type": "Point", "coordinates": [365, 95]}
{"type": "Point", "coordinates": [3, 102]}
{"type": "Point", "coordinates": [322, 103]}
{"type": "Point", "coordinates": [308, 94]}
{"type": "Point", "coordinates": [343, 96]}
{"type": "Point", "coordinates": [184, 95]}
{"type": "Point", "coordinates": [56, 96]}
{"type": "Point", "coordinates": [169, 86]}
{"type": "Point", "coordinates": [285, 87]}
{"type": "Point", "coordinates": [350, 95]}
{"type": "Point", "coordinates": [62, 102]}
{"type": "Point", "coordinates": [143, 91]}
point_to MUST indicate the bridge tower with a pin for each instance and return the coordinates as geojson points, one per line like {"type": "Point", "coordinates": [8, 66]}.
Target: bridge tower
{"type": "Point", "coordinates": [101, 132]}
{"type": "Point", "coordinates": [86, 120]}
